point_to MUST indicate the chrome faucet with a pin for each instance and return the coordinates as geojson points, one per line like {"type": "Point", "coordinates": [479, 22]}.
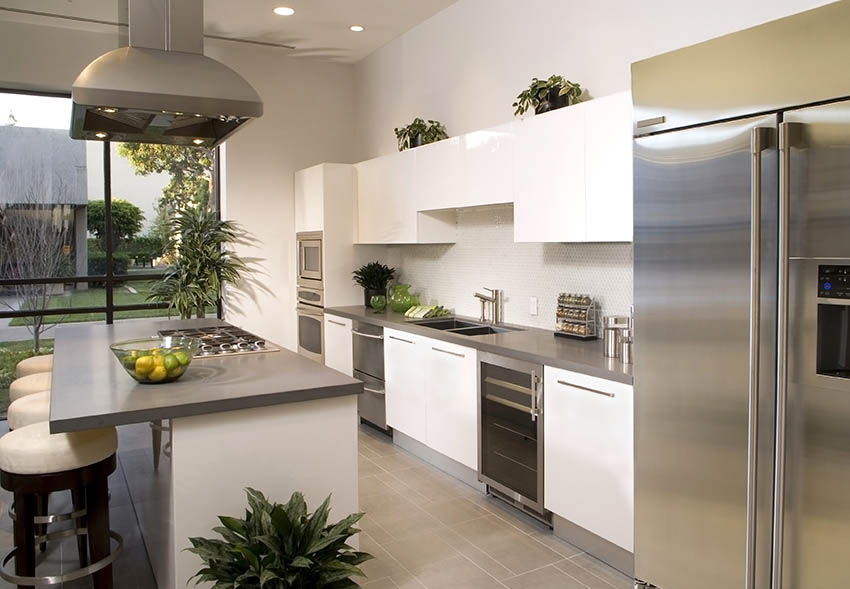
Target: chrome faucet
{"type": "Point", "coordinates": [496, 301]}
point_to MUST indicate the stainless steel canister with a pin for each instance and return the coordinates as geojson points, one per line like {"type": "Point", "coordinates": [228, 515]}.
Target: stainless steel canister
{"type": "Point", "coordinates": [626, 341]}
{"type": "Point", "coordinates": [613, 325]}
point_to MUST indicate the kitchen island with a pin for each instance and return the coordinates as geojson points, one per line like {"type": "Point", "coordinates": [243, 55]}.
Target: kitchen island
{"type": "Point", "coordinates": [275, 421]}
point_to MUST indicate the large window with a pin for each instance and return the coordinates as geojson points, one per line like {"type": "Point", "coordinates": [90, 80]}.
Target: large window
{"type": "Point", "coordinates": [84, 226]}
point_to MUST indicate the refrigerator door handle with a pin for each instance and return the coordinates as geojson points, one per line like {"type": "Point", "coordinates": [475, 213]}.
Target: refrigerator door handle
{"type": "Point", "coordinates": [789, 135]}
{"type": "Point", "coordinates": [760, 140]}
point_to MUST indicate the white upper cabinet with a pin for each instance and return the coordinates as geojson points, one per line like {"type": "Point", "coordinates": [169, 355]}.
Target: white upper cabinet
{"type": "Point", "coordinates": [309, 199]}
{"type": "Point", "coordinates": [488, 166]}
{"type": "Point", "coordinates": [385, 199]}
{"type": "Point", "coordinates": [608, 159]}
{"type": "Point", "coordinates": [549, 173]}
{"type": "Point", "coordinates": [437, 177]}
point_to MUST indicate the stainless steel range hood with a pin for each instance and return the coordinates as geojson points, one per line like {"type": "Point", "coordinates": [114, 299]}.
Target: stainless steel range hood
{"type": "Point", "coordinates": [162, 89]}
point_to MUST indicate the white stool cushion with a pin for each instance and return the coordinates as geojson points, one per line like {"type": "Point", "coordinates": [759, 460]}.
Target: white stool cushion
{"type": "Point", "coordinates": [28, 410]}
{"type": "Point", "coordinates": [34, 365]}
{"type": "Point", "coordinates": [27, 385]}
{"type": "Point", "coordinates": [32, 449]}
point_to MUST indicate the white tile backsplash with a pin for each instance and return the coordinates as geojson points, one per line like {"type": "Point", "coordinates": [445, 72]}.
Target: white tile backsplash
{"type": "Point", "coordinates": [485, 255]}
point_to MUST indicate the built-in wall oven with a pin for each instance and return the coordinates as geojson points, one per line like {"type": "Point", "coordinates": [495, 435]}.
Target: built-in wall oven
{"type": "Point", "coordinates": [368, 350]}
{"type": "Point", "coordinates": [311, 332]}
{"type": "Point", "coordinates": [310, 270]}
{"type": "Point", "coordinates": [511, 431]}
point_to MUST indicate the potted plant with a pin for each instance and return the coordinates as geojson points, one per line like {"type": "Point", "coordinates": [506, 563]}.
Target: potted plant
{"type": "Point", "coordinates": [419, 133]}
{"type": "Point", "coordinates": [203, 262]}
{"type": "Point", "coordinates": [546, 95]}
{"type": "Point", "coordinates": [280, 547]}
{"type": "Point", "coordinates": [373, 277]}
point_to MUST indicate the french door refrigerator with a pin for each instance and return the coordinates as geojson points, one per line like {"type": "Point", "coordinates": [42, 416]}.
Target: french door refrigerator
{"type": "Point", "coordinates": [742, 309]}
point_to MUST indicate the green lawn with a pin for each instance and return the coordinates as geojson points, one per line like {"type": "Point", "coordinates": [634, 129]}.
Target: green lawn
{"type": "Point", "coordinates": [10, 354]}
{"type": "Point", "coordinates": [96, 297]}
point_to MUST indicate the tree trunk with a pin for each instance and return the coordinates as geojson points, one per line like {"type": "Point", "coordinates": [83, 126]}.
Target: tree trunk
{"type": "Point", "coordinates": [202, 312]}
{"type": "Point", "coordinates": [36, 339]}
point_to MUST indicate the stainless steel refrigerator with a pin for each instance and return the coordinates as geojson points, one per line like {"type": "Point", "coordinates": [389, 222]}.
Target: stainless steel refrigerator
{"type": "Point", "coordinates": [742, 309]}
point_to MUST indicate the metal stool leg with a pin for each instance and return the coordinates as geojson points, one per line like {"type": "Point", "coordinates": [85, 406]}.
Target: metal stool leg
{"type": "Point", "coordinates": [78, 496]}
{"type": "Point", "coordinates": [42, 509]}
{"type": "Point", "coordinates": [97, 501]}
{"type": "Point", "coordinates": [25, 536]}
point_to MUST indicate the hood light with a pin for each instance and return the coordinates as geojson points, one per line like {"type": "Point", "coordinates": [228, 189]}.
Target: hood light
{"type": "Point", "coordinates": [284, 11]}
{"type": "Point", "coordinates": [101, 135]}
{"type": "Point", "coordinates": [356, 28]}
{"type": "Point", "coordinates": [107, 109]}
{"type": "Point", "coordinates": [197, 141]}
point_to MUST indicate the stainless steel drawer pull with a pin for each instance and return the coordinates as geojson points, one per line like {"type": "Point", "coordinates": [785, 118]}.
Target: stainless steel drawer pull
{"type": "Point", "coordinates": [336, 322]}
{"type": "Point", "coordinates": [375, 391]}
{"type": "Point", "coordinates": [507, 403]}
{"type": "Point", "coordinates": [575, 386]}
{"type": "Point", "coordinates": [398, 339]}
{"type": "Point", "coordinates": [361, 334]}
{"type": "Point", "coordinates": [508, 385]}
{"type": "Point", "coordinates": [447, 352]}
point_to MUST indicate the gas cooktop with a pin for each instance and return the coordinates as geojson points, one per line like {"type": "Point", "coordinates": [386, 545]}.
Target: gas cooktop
{"type": "Point", "coordinates": [223, 340]}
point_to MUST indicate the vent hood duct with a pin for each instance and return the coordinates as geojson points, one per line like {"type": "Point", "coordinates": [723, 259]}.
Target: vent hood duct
{"type": "Point", "coordinates": [162, 89]}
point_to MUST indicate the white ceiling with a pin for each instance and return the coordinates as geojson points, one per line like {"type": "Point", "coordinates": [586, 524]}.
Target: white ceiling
{"type": "Point", "coordinates": [319, 28]}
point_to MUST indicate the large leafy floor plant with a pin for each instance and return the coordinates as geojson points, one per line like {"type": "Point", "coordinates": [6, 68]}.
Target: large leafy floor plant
{"type": "Point", "coordinates": [280, 546]}
{"type": "Point", "coordinates": [204, 261]}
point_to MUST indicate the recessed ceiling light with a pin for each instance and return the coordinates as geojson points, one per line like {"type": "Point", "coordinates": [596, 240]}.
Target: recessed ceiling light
{"type": "Point", "coordinates": [356, 28]}
{"type": "Point", "coordinates": [108, 109]}
{"type": "Point", "coordinates": [101, 135]}
{"type": "Point", "coordinates": [197, 141]}
{"type": "Point", "coordinates": [284, 11]}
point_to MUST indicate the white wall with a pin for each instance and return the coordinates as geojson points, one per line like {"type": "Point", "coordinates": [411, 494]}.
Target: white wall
{"type": "Point", "coordinates": [465, 65]}
{"type": "Point", "coordinates": [308, 119]}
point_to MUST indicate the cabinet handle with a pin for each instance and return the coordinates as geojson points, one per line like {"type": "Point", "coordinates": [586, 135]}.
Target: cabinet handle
{"type": "Point", "coordinates": [361, 334]}
{"type": "Point", "coordinates": [375, 391]}
{"type": "Point", "coordinates": [575, 386]}
{"type": "Point", "coordinates": [447, 352]}
{"type": "Point", "coordinates": [336, 322]}
{"type": "Point", "coordinates": [398, 339]}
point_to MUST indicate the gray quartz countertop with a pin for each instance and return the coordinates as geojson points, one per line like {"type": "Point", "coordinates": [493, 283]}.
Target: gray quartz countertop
{"type": "Point", "coordinates": [90, 389]}
{"type": "Point", "coordinates": [531, 344]}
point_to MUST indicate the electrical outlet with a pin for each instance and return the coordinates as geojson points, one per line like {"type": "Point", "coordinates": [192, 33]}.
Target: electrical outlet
{"type": "Point", "coordinates": [532, 306]}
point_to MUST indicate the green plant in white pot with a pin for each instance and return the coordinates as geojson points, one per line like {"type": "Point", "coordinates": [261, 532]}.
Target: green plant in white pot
{"type": "Point", "coordinates": [204, 262]}
{"type": "Point", "coordinates": [280, 546]}
{"type": "Point", "coordinates": [420, 132]}
{"type": "Point", "coordinates": [545, 95]}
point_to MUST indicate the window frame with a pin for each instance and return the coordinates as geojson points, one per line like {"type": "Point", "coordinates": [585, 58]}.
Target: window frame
{"type": "Point", "coordinates": [109, 279]}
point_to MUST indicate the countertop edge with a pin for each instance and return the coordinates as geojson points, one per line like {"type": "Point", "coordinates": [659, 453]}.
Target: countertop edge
{"type": "Point", "coordinates": [470, 342]}
{"type": "Point", "coordinates": [72, 424]}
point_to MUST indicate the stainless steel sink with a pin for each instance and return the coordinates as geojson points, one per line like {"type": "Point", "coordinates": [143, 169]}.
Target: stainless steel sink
{"type": "Point", "coordinates": [461, 327]}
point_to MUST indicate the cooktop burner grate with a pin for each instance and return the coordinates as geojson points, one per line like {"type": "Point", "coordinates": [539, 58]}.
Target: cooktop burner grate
{"type": "Point", "coordinates": [223, 340]}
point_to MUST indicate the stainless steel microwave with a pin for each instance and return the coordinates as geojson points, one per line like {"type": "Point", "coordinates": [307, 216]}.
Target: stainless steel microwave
{"type": "Point", "coordinates": [310, 259]}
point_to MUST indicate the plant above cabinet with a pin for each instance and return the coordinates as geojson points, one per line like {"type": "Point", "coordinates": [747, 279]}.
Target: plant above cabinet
{"type": "Point", "coordinates": [545, 95]}
{"type": "Point", "coordinates": [420, 132]}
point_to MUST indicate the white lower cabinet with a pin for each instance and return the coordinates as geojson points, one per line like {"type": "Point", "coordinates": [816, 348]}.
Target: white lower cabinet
{"type": "Point", "coordinates": [407, 410]}
{"type": "Point", "coordinates": [451, 388]}
{"type": "Point", "coordinates": [589, 453]}
{"type": "Point", "coordinates": [432, 390]}
{"type": "Point", "coordinates": [338, 345]}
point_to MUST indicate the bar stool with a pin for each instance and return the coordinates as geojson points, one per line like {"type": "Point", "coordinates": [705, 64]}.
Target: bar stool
{"type": "Point", "coordinates": [27, 385]}
{"type": "Point", "coordinates": [28, 410]}
{"type": "Point", "coordinates": [33, 463]}
{"type": "Point", "coordinates": [34, 365]}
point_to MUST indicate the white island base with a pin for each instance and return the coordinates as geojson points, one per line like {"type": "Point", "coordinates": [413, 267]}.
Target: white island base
{"type": "Point", "coordinates": [309, 446]}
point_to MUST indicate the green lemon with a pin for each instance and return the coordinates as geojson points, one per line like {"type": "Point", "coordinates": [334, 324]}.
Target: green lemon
{"type": "Point", "coordinates": [175, 372]}
{"type": "Point", "coordinates": [182, 357]}
{"type": "Point", "coordinates": [171, 362]}
{"type": "Point", "coordinates": [129, 362]}
{"type": "Point", "coordinates": [144, 364]}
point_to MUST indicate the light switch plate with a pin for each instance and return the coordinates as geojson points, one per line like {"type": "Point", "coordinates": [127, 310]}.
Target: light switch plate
{"type": "Point", "coordinates": [532, 306]}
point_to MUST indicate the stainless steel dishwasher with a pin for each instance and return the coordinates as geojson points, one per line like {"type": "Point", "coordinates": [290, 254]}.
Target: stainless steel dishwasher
{"type": "Point", "coordinates": [511, 432]}
{"type": "Point", "coordinates": [368, 344]}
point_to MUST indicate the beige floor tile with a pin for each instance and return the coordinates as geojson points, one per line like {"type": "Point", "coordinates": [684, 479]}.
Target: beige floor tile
{"type": "Point", "coordinates": [396, 462]}
{"type": "Point", "coordinates": [562, 547]}
{"type": "Point", "coordinates": [366, 451]}
{"type": "Point", "coordinates": [383, 566]}
{"type": "Point", "coordinates": [454, 511]}
{"type": "Point", "coordinates": [371, 527]}
{"type": "Point", "coordinates": [372, 485]}
{"type": "Point", "coordinates": [455, 572]}
{"type": "Point", "coordinates": [600, 569]}
{"type": "Point", "coordinates": [476, 555]}
{"type": "Point", "coordinates": [397, 516]}
{"type": "Point", "coordinates": [548, 577]}
{"type": "Point", "coordinates": [382, 584]}
{"type": "Point", "coordinates": [366, 467]}
{"type": "Point", "coordinates": [582, 574]}
{"type": "Point", "coordinates": [421, 550]}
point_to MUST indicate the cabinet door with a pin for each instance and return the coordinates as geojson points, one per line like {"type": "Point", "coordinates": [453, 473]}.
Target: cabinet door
{"type": "Point", "coordinates": [488, 166]}
{"type": "Point", "coordinates": [385, 207]}
{"type": "Point", "coordinates": [609, 168]}
{"type": "Point", "coordinates": [309, 199]}
{"type": "Point", "coordinates": [451, 389]}
{"type": "Point", "coordinates": [588, 453]}
{"type": "Point", "coordinates": [549, 177]}
{"type": "Point", "coordinates": [404, 357]}
{"type": "Point", "coordinates": [338, 345]}
{"type": "Point", "coordinates": [437, 180]}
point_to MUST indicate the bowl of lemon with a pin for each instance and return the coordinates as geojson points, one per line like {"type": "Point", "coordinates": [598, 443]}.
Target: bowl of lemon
{"type": "Point", "coordinates": [156, 360]}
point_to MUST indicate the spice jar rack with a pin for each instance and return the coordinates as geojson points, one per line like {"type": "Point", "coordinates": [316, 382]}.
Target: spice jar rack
{"type": "Point", "coordinates": [576, 317]}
